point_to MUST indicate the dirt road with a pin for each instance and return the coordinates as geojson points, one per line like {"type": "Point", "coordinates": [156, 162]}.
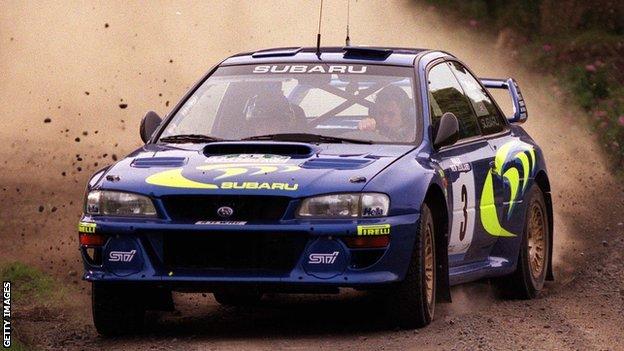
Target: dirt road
{"type": "Point", "coordinates": [75, 79]}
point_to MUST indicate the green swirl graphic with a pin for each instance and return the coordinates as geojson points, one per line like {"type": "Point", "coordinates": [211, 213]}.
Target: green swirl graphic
{"type": "Point", "coordinates": [506, 167]}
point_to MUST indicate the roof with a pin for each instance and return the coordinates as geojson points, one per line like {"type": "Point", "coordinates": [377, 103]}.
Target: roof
{"type": "Point", "coordinates": [351, 54]}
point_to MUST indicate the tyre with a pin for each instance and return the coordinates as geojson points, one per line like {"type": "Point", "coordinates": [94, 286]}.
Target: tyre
{"type": "Point", "coordinates": [528, 279]}
{"type": "Point", "coordinates": [411, 303]}
{"type": "Point", "coordinates": [117, 309]}
{"type": "Point", "coordinates": [230, 298]}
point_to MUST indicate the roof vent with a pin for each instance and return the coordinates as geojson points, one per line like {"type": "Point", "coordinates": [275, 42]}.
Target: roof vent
{"type": "Point", "coordinates": [366, 53]}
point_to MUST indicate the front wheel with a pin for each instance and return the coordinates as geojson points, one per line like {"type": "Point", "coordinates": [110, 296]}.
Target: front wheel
{"type": "Point", "coordinates": [412, 302]}
{"type": "Point", "coordinates": [117, 309]}
{"type": "Point", "coordinates": [528, 279]}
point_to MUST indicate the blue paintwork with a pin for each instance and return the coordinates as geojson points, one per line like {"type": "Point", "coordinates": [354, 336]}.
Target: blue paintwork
{"type": "Point", "coordinates": [404, 172]}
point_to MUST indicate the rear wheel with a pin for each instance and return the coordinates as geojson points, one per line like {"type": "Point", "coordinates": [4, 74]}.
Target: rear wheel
{"type": "Point", "coordinates": [412, 302]}
{"type": "Point", "coordinates": [117, 309]}
{"type": "Point", "coordinates": [528, 279]}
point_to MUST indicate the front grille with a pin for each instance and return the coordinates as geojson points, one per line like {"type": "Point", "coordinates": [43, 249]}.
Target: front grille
{"type": "Point", "coordinates": [250, 251]}
{"type": "Point", "coordinates": [193, 208]}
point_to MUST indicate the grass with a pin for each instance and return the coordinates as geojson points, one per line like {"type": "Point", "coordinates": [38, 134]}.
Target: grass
{"type": "Point", "coordinates": [29, 285]}
{"type": "Point", "coordinates": [16, 345]}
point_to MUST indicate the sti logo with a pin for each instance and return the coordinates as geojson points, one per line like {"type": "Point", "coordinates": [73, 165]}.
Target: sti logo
{"type": "Point", "coordinates": [323, 258]}
{"type": "Point", "coordinates": [121, 256]}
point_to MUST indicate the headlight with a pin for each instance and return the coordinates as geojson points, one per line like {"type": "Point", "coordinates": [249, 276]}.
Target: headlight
{"type": "Point", "coordinates": [115, 203]}
{"type": "Point", "coordinates": [345, 206]}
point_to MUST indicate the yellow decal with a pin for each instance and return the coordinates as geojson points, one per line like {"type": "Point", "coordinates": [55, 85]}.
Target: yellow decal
{"type": "Point", "coordinates": [525, 168]}
{"type": "Point", "coordinates": [174, 179]}
{"type": "Point", "coordinates": [512, 177]}
{"type": "Point", "coordinates": [234, 169]}
{"type": "Point", "coordinates": [489, 217]}
{"type": "Point", "coordinates": [487, 207]}
{"type": "Point", "coordinates": [373, 229]}
{"type": "Point", "coordinates": [86, 227]}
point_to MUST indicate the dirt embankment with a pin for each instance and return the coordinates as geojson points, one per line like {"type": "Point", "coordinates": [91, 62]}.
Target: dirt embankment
{"type": "Point", "coordinates": [76, 79]}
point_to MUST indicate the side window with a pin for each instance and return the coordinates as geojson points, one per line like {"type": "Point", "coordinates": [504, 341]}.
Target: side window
{"type": "Point", "coordinates": [446, 95]}
{"type": "Point", "coordinates": [488, 116]}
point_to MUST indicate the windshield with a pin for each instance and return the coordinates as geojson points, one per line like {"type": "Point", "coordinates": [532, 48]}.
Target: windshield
{"type": "Point", "coordinates": [363, 102]}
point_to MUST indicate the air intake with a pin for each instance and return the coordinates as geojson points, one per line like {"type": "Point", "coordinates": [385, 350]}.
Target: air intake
{"type": "Point", "coordinates": [285, 149]}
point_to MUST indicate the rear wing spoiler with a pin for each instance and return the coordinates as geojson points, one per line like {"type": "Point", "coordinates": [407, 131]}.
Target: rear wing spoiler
{"type": "Point", "coordinates": [520, 112]}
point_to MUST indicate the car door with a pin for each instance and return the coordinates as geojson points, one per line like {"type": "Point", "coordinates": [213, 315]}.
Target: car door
{"type": "Point", "coordinates": [465, 165]}
{"type": "Point", "coordinates": [506, 183]}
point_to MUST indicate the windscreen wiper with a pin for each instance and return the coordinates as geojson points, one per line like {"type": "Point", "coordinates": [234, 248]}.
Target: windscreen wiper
{"type": "Point", "coordinates": [307, 138]}
{"type": "Point", "coordinates": [190, 138]}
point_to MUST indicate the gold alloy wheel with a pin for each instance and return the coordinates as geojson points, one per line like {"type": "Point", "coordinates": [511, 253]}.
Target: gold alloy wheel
{"type": "Point", "coordinates": [429, 267]}
{"type": "Point", "coordinates": [536, 240]}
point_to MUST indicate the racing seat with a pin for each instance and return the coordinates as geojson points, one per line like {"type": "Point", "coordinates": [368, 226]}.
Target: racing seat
{"type": "Point", "coordinates": [300, 121]}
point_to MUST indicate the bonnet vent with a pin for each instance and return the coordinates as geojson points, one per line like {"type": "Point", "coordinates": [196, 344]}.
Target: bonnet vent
{"type": "Point", "coordinates": [158, 162]}
{"type": "Point", "coordinates": [337, 163]}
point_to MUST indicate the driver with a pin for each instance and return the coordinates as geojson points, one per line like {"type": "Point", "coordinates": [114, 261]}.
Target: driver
{"type": "Point", "coordinates": [389, 115]}
{"type": "Point", "coordinates": [270, 114]}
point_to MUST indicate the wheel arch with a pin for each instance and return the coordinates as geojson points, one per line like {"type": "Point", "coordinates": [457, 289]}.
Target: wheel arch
{"type": "Point", "coordinates": [436, 201]}
{"type": "Point", "coordinates": [541, 179]}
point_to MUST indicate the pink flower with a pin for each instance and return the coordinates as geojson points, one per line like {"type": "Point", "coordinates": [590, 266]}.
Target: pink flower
{"type": "Point", "coordinates": [621, 120]}
{"type": "Point", "coordinates": [600, 113]}
{"type": "Point", "coordinates": [473, 23]}
{"type": "Point", "coordinates": [547, 47]}
{"type": "Point", "coordinates": [590, 68]}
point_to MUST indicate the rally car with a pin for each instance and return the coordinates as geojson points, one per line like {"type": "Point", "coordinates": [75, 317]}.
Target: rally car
{"type": "Point", "coordinates": [305, 170]}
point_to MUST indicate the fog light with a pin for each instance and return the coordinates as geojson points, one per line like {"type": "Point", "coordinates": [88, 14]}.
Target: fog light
{"type": "Point", "coordinates": [367, 242]}
{"type": "Point", "coordinates": [89, 239]}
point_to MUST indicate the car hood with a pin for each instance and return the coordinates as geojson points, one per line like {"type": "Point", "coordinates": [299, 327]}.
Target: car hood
{"type": "Point", "coordinates": [260, 168]}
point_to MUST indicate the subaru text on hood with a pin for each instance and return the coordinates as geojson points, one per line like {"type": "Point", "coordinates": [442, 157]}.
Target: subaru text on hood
{"type": "Point", "coordinates": [288, 170]}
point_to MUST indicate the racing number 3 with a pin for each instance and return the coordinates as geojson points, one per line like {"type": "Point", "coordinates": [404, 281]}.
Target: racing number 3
{"type": "Point", "coordinates": [463, 213]}
{"type": "Point", "coordinates": [464, 223]}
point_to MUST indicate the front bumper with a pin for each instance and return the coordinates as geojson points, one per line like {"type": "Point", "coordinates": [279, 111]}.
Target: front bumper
{"type": "Point", "coordinates": [135, 252]}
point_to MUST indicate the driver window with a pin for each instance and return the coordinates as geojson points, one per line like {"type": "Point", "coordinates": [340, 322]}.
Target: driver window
{"type": "Point", "coordinates": [446, 95]}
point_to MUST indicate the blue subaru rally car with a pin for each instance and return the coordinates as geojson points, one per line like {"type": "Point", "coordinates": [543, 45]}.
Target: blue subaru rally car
{"type": "Point", "coordinates": [300, 171]}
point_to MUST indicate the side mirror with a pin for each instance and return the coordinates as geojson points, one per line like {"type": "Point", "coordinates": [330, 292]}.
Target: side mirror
{"type": "Point", "coordinates": [149, 123]}
{"type": "Point", "coordinates": [448, 131]}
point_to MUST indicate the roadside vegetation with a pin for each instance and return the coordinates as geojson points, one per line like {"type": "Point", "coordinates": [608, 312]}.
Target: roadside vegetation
{"type": "Point", "coordinates": [580, 43]}
{"type": "Point", "coordinates": [30, 288]}
{"type": "Point", "coordinates": [29, 285]}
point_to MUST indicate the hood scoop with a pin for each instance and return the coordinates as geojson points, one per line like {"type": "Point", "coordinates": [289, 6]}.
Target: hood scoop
{"type": "Point", "coordinates": [297, 150]}
{"type": "Point", "coordinates": [337, 163]}
{"type": "Point", "coordinates": [148, 162]}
